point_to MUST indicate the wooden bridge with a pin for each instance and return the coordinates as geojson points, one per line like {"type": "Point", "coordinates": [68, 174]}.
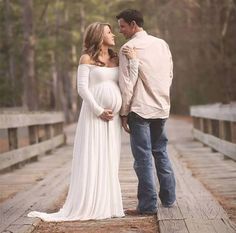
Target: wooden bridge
{"type": "Point", "coordinates": [206, 187]}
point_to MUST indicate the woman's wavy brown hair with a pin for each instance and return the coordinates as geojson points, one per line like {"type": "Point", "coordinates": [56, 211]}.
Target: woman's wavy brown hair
{"type": "Point", "coordinates": [92, 43]}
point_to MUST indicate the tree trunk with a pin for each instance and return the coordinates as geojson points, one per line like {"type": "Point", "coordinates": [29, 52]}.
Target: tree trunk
{"type": "Point", "coordinates": [30, 98]}
{"type": "Point", "coordinates": [228, 83]}
{"type": "Point", "coordinates": [9, 45]}
{"type": "Point", "coordinates": [73, 83]}
{"type": "Point", "coordinates": [82, 19]}
{"type": "Point", "coordinates": [55, 97]}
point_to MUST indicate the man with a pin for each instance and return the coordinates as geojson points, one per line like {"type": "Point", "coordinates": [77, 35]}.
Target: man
{"type": "Point", "coordinates": [145, 108]}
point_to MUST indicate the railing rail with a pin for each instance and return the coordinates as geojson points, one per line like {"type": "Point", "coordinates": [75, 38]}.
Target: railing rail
{"type": "Point", "coordinates": [215, 126]}
{"type": "Point", "coordinates": [43, 131]}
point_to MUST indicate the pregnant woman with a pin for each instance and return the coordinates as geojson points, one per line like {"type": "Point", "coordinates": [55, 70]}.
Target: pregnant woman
{"type": "Point", "coordinates": [94, 191]}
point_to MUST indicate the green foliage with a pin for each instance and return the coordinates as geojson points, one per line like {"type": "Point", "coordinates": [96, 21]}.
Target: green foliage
{"type": "Point", "coordinates": [204, 59]}
{"type": "Point", "coordinates": [9, 96]}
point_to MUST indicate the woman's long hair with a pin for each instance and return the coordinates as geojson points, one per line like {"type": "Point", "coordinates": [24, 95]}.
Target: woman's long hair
{"type": "Point", "coordinates": [92, 43]}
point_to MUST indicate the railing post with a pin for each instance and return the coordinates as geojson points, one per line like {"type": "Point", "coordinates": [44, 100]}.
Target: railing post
{"type": "Point", "coordinates": [228, 132]}
{"type": "Point", "coordinates": [215, 128]}
{"type": "Point", "coordinates": [33, 138]}
{"type": "Point", "coordinates": [33, 134]}
{"type": "Point", "coordinates": [49, 135]}
{"type": "Point", "coordinates": [58, 128]}
{"type": "Point", "coordinates": [201, 124]}
{"type": "Point", "coordinates": [12, 137]}
{"type": "Point", "coordinates": [233, 132]}
{"type": "Point", "coordinates": [222, 130]}
{"type": "Point", "coordinates": [41, 133]}
{"type": "Point", "coordinates": [209, 126]}
{"type": "Point", "coordinates": [48, 131]}
{"type": "Point", "coordinates": [196, 123]}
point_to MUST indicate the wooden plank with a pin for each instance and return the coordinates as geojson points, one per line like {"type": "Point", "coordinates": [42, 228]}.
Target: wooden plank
{"type": "Point", "coordinates": [10, 158]}
{"type": "Point", "coordinates": [195, 210]}
{"type": "Point", "coordinates": [40, 197]}
{"type": "Point", "coordinates": [173, 226]}
{"type": "Point", "coordinates": [169, 213]}
{"type": "Point", "coordinates": [209, 226]}
{"type": "Point", "coordinates": [200, 208]}
{"type": "Point", "coordinates": [197, 201]}
{"type": "Point", "coordinates": [200, 150]}
{"type": "Point", "coordinates": [193, 200]}
{"type": "Point", "coordinates": [227, 148]}
{"type": "Point", "coordinates": [22, 179]}
{"type": "Point", "coordinates": [215, 172]}
{"type": "Point", "coordinates": [19, 228]}
{"type": "Point", "coordinates": [28, 119]}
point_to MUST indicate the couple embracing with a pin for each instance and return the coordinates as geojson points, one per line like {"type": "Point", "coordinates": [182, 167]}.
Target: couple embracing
{"type": "Point", "coordinates": [129, 90]}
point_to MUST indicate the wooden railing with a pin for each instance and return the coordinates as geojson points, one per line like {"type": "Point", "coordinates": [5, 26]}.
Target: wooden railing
{"type": "Point", "coordinates": [43, 131]}
{"type": "Point", "coordinates": [215, 126]}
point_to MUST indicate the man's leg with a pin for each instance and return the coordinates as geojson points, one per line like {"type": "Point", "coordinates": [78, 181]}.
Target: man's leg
{"type": "Point", "coordinates": [164, 169]}
{"type": "Point", "coordinates": [141, 148]}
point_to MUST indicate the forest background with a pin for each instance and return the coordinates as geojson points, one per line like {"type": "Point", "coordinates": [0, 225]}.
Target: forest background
{"type": "Point", "coordinates": [41, 42]}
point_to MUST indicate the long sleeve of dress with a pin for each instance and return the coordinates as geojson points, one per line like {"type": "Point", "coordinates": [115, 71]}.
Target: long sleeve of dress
{"type": "Point", "coordinates": [83, 89]}
{"type": "Point", "coordinates": [128, 75]}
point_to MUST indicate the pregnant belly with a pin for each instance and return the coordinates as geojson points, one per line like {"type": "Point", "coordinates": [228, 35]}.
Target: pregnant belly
{"type": "Point", "coordinates": [108, 96]}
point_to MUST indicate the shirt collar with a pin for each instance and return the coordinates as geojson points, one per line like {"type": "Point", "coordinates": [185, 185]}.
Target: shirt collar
{"type": "Point", "coordinates": [139, 34]}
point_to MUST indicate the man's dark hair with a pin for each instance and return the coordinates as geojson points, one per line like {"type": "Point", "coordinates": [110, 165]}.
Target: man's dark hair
{"type": "Point", "coordinates": [130, 15]}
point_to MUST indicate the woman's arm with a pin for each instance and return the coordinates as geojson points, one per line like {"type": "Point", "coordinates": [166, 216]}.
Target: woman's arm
{"type": "Point", "coordinates": [131, 55]}
{"type": "Point", "coordinates": [128, 76]}
{"type": "Point", "coordinates": [84, 92]}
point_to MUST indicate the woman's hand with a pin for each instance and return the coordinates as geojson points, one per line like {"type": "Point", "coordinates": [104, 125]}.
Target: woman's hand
{"type": "Point", "coordinates": [129, 52]}
{"type": "Point", "coordinates": [107, 115]}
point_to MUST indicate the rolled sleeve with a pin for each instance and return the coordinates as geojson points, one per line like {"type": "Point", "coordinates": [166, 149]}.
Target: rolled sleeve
{"type": "Point", "coordinates": [128, 75]}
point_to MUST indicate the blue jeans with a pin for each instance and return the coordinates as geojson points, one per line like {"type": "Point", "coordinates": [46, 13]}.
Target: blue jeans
{"type": "Point", "coordinates": [149, 139]}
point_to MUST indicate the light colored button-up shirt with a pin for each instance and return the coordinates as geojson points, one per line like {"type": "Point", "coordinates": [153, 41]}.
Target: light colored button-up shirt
{"type": "Point", "coordinates": [149, 94]}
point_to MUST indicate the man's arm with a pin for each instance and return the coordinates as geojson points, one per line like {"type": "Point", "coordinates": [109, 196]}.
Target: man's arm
{"type": "Point", "coordinates": [128, 74]}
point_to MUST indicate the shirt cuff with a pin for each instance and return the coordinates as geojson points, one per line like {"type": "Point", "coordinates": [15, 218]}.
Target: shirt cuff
{"type": "Point", "coordinates": [124, 111]}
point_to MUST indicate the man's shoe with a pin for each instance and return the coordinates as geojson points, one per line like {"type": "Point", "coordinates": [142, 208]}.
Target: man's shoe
{"type": "Point", "coordinates": [136, 212]}
{"type": "Point", "coordinates": [168, 205]}
{"type": "Point", "coordinates": [132, 212]}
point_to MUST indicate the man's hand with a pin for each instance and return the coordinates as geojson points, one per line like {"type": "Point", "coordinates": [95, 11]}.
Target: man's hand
{"type": "Point", "coordinates": [124, 121]}
{"type": "Point", "coordinates": [107, 115]}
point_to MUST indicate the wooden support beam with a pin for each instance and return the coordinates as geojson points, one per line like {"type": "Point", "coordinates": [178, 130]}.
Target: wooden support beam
{"type": "Point", "coordinates": [12, 138]}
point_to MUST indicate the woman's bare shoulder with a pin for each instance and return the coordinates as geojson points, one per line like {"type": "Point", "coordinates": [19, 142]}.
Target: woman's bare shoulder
{"type": "Point", "coordinates": [85, 59]}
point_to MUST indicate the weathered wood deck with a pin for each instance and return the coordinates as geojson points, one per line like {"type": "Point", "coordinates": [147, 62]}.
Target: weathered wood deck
{"type": "Point", "coordinates": [42, 186]}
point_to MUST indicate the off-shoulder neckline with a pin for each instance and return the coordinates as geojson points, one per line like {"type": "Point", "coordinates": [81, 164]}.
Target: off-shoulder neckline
{"type": "Point", "coordinates": [99, 66]}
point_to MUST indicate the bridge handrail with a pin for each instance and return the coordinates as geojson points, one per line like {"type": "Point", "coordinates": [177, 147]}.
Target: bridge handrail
{"type": "Point", "coordinates": [215, 126]}
{"type": "Point", "coordinates": [218, 111]}
{"type": "Point", "coordinates": [16, 120]}
{"type": "Point", "coordinates": [45, 132]}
